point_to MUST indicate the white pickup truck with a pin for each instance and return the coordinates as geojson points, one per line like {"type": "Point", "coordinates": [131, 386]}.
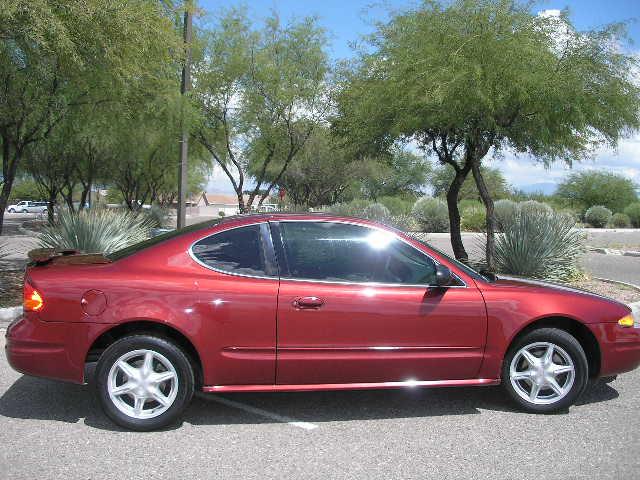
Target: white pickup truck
{"type": "Point", "coordinates": [28, 207]}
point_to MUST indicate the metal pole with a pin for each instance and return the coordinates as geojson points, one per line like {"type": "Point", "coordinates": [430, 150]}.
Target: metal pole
{"type": "Point", "coordinates": [185, 86]}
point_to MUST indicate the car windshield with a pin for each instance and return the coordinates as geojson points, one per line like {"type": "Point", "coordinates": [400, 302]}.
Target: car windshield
{"type": "Point", "coordinates": [462, 266]}
{"type": "Point", "coordinates": [136, 247]}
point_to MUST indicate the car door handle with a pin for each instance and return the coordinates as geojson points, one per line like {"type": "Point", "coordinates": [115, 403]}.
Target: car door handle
{"type": "Point", "coordinates": [307, 302]}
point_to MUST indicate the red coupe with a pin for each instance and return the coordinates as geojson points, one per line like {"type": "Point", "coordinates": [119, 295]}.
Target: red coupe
{"type": "Point", "coordinates": [264, 303]}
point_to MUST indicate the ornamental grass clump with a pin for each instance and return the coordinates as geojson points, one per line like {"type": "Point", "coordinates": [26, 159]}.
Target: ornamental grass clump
{"type": "Point", "coordinates": [96, 230]}
{"type": "Point", "coordinates": [540, 243]}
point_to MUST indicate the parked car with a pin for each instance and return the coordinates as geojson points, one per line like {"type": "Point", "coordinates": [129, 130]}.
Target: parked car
{"type": "Point", "coordinates": [28, 207]}
{"type": "Point", "coordinates": [292, 302]}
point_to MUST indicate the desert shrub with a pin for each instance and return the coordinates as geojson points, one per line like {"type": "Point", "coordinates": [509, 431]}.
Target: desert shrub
{"type": "Point", "coordinates": [431, 214]}
{"type": "Point", "coordinates": [221, 214]}
{"type": "Point", "coordinates": [505, 211]}
{"type": "Point", "coordinates": [474, 218]}
{"type": "Point", "coordinates": [540, 244]}
{"type": "Point", "coordinates": [396, 205]}
{"type": "Point", "coordinates": [533, 206]}
{"type": "Point", "coordinates": [96, 231]}
{"type": "Point", "coordinates": [406, 223]}
{"type": "Point", "coordinates": [354, 208]}
{"type": "Point", "coordinates": [633, 212]}
{"type": "Point", "coordinates": [377, 212]}
{"type": "Point", "coordinates": [598, 216]}
{"type": "Point", "coordinates": [620, 220]}
{"type": "Point", "coordinates": [158, 216]}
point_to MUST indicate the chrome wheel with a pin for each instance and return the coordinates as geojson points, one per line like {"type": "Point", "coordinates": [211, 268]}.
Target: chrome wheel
{"type": "Point", "coordinates": [542, 373]}
{"type": "Point", "coordinates": [142, 384]}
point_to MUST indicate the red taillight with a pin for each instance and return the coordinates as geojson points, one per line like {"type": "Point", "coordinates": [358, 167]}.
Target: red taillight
{"type": "Point", "coordinates": [32, 300]}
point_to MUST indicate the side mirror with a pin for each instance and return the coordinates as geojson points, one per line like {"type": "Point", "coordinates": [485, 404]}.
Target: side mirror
{"type": "Point", "coordinates": [443, 276]}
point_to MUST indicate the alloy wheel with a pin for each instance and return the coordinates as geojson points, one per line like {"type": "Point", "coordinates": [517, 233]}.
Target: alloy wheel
{"type": "Point", "coordinates": [542, 373]}
{"type": "Point", "coordinates": [142, 384]}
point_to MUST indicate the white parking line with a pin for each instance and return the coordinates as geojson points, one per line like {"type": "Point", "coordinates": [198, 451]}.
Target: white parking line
{"type": "Point", "coordinates": [259, 411]}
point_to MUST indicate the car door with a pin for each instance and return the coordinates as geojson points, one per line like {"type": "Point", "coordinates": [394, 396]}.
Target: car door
{"type": "Point", "coordinates": [238, 296]}
{"type": "Point", "coordinates": [357, 305]}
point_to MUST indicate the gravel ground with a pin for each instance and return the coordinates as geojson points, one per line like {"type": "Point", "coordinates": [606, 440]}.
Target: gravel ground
{"type": "Point", "coordinates": [55, 430]}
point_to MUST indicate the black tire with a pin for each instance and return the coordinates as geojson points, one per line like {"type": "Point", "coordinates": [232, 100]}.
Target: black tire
{"type": "Point", "coordinates": [571, 347]}
{"type": "Point", "coordinates": [25, 211]}
{"type": "Point", "coordinates": [11, 210]}
{"type": "Point", "coordinates": [171, 352]}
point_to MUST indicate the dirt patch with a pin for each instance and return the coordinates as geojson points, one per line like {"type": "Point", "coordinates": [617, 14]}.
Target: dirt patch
{"type": "Point", "coordinates": [11, 288]}
{"type": "Point", "coordinates": [621, 293]}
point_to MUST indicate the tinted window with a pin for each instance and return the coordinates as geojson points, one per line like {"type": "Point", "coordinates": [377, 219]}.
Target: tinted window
{"type": "Point", "coordinates": [136, 247]}
{"type": "Point", "coordinates": [341, 252]}
{"type": "Point", "coordinates": [239, 250]}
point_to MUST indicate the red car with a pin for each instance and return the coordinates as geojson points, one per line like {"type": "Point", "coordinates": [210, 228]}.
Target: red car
{"type": "Point", "coordinates": [265, 303]}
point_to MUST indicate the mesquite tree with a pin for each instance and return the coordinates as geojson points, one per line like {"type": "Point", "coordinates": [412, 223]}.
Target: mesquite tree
{"type": "Point", "coordinates": [479, 76]}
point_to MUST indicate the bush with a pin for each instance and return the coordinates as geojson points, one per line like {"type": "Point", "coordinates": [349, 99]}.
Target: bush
{"type": "Point", "coordinates": [540, 244]}
{"type": "Point", "coordinates": [376, 212]}
{"type": "Point", "coordinates": [431, 214]}
{"type": "Point", "coordinates": [397, 205]}
{"type": "Point", "coordinates": [221, 214]}
{"type": "Point", "coordinates": [96, 231]}
{"type": "Point", "coordinates": [354, 208]}
{"type": "Point", "coordinates": [620, 220]}
{"type": "Point", "coordinates": [158, 216]}
{"type": "Point", "coordinates": [505, 211]}
{"type": "Point", "coordinates": [598, 216]}
{"type": "Point", "coordinates": [406, 223]}
{"type": "Point", "coordinates": [633, 212]}
{"type": "Point", "coordinates": [474, 218]}
{"type": "Point", "coordinates": [533, 206]}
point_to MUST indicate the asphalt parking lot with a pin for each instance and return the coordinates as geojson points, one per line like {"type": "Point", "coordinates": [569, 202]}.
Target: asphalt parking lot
{"type": "Point", "coordinates": [56, 430]}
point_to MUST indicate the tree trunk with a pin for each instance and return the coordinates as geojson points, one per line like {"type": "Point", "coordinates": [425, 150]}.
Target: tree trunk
{"type": "Point", "coordinates": [491, 218]}
{"type": "Point", "coordinates": [83, 196]}
{"type": "Point", "coordinates": [4, 199]}
{"type": "Point", "coordinates": [9, 168]}
{"type": "Point", "coordinates": [50, 204]}
{"type": "Point", "coordinates": [454, 214]}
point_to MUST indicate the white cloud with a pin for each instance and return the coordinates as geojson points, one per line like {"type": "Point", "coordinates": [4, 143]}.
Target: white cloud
{"type": "Point", "coordinates": [550, 12]}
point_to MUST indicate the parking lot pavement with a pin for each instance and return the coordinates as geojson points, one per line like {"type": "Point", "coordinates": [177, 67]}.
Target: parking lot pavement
{"type": "Point", "coordinates": [56, 430]}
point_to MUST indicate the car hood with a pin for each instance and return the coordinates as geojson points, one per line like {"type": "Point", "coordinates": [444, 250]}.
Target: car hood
{"type": "Point", "coordinates": [526, 283]}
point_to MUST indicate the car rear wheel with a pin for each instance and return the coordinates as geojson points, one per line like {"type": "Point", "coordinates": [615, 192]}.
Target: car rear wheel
{"type": "Point", "coordinates": [545, 371]}
{"type": "Point", "coordinates": [144, 382]}
{"type": "Point", "coordinates": [11, 210]}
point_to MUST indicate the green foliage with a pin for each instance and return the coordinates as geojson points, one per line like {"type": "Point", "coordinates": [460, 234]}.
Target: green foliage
{"type": "Point", "coordinates": [506, 211]}
{"type": "Point", "coordinates": [620, 220]}
{"type": "Point", "coordinates": [397, 172]}
{"type": "Point", "coordinates": [496, 183]}
{"type": "Point", "coordinates": [404, 222]}
{"type": "Point", "coordinates": [377, 212]}
{"type": "Point", "coordinates": [96, 231]}
{"type": "Point", "coordinates": [431, 214]}
{"type": "Point", "coordinates": [158, 216]}
{"type": "Point", "coordinates": [58, 58]}
{"type": "Point", "coordinates": [474, 217]}
{"type": "Point", "coordinates": [584, 189]}
{"type": "Point", "coordinates": [633, 212]}
{"type": "Point", "coordinates": [397, 205]}
{"type": "Point", "coordinates": [354, 208]}
{"type": "Point", "coordinates": [534, 206]}
{"type": "Point", "coordinates": [25, 189]}
{"type": "Point", "coordinates": [540, 244]}
{"type": "Point", "coordinates": [598, 216]}
{"type": "Point", "coordinates": [260, 93]}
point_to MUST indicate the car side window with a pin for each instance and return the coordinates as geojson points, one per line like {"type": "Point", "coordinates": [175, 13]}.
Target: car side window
{"type": "Point", "coordinates": [331, 251]}
{"type": "Point", "coordinates": [238, 250]}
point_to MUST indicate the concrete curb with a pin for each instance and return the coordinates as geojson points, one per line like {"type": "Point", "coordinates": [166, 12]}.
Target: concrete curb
{"type": "Point", "coordinates": [618, 282]}
{"type": "Point", "coordinates": [613, 251]}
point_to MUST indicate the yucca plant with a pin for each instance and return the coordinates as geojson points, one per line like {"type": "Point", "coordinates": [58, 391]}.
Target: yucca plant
{"type": "Point", "coordinates": [96, 231]}
{"type": "Point", "coordinates": [4, 249]}
{"type": "Point", "coordinates": [540, 243]}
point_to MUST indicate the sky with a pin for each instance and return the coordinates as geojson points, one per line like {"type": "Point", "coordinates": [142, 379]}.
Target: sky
{"type": "Point", "coordinates": [346, 21]}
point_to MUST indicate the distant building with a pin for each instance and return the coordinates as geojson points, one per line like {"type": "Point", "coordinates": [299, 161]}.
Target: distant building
{"type": "Point", "coordinates": [211, 204]}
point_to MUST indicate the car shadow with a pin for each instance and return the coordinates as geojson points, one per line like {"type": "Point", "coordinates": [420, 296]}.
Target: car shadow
{"type": "Point", "coordinates": [40, 399]}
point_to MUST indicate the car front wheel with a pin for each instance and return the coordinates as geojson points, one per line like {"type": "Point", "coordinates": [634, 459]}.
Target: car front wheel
{"type": "Point", "coordinates": [144, 382]}
{"type": "Point", "coordinates": [545, 371]}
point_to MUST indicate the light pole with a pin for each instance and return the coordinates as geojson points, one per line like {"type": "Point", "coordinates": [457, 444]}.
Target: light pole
{"type": "Point", "coordinates": [185, 86]}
